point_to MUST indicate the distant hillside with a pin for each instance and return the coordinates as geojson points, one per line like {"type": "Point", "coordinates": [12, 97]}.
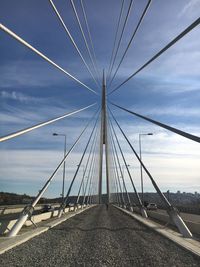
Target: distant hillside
{"type": "Point", "coordinates": [14, 199]}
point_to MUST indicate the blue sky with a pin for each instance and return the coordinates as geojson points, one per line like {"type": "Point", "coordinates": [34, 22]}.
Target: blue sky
{"type": "Point", "coordinates": [31, 90]}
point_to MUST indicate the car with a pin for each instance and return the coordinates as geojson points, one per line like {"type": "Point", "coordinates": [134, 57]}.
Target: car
{"type": "Point", "coordinates": [152, 206]}
{"type": "Point", "coordinates": [47, 207]}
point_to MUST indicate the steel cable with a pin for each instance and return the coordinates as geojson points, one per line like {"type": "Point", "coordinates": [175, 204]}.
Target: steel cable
{"type": "Point", "coordinates": [22, 41]}
{"type": "Point", "coordinates": [130, 41]}
{"type": "Point", "coordinates": [171, 43]}
{"type": "Point", "coordinates": [72, 39]}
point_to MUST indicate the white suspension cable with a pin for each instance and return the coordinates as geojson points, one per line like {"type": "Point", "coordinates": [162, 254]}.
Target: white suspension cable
{"type": "Point", "coordinates": [22, 41]}
{"type": "Point", "coordinates": [170, 44]}
{"type": "Point", "coordinates": [115, 40]}
{"type": "Point", "coordinates": [121, 35]}
{"type": "Point", "coordinates": [131, 39]}
{"type": "Point", "coordinates": [71, 39]}
{"type": "Point", "coordinates": [89, 34]}
{"type": "Point", "coordinates": [23, 131]}
{"type": "Point", "coordinates": [84, 37]}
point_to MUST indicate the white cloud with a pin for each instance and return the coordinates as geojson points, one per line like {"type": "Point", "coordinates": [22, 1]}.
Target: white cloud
{"type": "Point", "coordinates": [171, 110]}
{"type": "Point", "coordinates": [162, 142]}
{"type": "Point", "coordinates": [36, 166]}
{"type": "Point", "coordinates": [190, 8]}
{"type": "Point", "coordinates": [172, 172]}
{"type": "Point", "coordinates": [18, 96]}
{"type": "Point", "coordinates": [175, 71]}
{"type": "Point", "coordinates": [34, 73]}
{"type": "Point", "coordinates": [14, 118]}
{"type": "Point", "coordinates": [175, 171]}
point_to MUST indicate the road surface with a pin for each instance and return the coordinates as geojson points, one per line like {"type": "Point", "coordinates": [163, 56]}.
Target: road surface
{"type": "Point", "coordinates": [98, 237]}
{"type": "Point", "coordinates": [186, 216]}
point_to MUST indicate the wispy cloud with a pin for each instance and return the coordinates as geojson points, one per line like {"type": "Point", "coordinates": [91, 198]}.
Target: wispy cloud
{"type": "Point", "coordinates": [173, 163]}
{"type": "Point", "coordinates": [34, 167]}
{"type": "Point", "coordinates": [28, 73]}
{"type": "Point", "coordinates": [190, 8]}
{"type": "Point", "coordinates": [170, 172]}
{"type": "Point", "coordinates": [14, 119]}
{"type": "Point", "coordinates": [17, 96]}
{"type": "Point", "coordinates": [162, 142]}
{"type": "Point", "coordinates": [175, 72]}
{"type": "Point", "coordinates": [34, 73]}
{"type": "Point", "coordinates": [175, 111]}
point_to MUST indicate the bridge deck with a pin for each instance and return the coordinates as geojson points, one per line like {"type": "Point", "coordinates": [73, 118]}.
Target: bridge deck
{"type": "Point", "coordinates": [98, 237]}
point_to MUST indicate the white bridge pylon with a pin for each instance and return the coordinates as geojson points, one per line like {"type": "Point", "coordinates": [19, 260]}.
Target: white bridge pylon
{"type": "Point", "coordinates": [103, 143]}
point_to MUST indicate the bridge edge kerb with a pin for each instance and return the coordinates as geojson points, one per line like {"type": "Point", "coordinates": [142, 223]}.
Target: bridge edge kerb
{"type": "Point", "coordinates": [184, 243]}
{"type": "Point", "coordinates": [13, 242]}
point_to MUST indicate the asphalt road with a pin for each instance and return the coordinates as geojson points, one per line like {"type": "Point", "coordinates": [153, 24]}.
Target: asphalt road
{"type": "Point", "coordinates": [98, 237]}
{"type": "Point", "coordinates": [186, 216]}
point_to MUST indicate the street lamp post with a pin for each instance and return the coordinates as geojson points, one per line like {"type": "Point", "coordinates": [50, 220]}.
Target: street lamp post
{"type": "Point", "coordinates": [140, 147]}
{"type": "Point", "coordinates": [63, 183]}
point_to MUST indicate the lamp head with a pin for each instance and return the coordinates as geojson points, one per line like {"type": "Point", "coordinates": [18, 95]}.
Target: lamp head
{"type": "Point", "coordinates": [55, 134]}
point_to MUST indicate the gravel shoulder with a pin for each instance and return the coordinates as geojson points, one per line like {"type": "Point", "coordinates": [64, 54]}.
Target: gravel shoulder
{"type": "Point", "coordinates": [99, 237]}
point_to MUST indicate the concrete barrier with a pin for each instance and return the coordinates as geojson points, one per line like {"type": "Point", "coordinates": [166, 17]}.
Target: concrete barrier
{"type": "Point", "coordinates": [18, 208]}
{"type": "Point", "coordinates": [5, 226]}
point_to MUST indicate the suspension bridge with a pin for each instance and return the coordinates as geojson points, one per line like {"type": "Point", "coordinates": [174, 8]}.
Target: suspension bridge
{"type": "Point", "coordinates": [97, 229]}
